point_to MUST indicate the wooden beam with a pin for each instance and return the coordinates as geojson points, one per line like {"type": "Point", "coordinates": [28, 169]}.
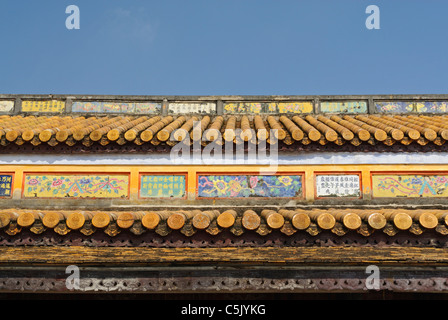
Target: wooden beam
{"type": "Point", "coordinates": [78, 255]}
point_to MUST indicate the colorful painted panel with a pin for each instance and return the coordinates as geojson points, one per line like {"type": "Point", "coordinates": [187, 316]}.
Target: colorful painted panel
{"type": "Point", "coordinates": [295, 107]}
{"type": "Point", "coordinates": [244, 186]}
{"type": "Point", "coordinates": [162, 186]}
{"type": "Point", "coordinates": [76, 186]}
{"type": "Point", "coordinates": [6, 106]}
{"type": "Point", "coordinates": [412, 106]}
{"type": "Point", "coordinates": [43, 106]}
{"type": "Point", "coordinates": [344, 107]}
{"type": "Point", "coordinates": [338, 186]}
{"type": "Point", "coordinates": [117, 107]}
{"type": "Point", "coordinates": [268, 107]}
{"type": "Point", "coordinates": [5, 185]}
{"type": "Point", "coordinates": [188, 107]}
{"type": "Point", "coordinates": [409, 185]}
{"type": "Point", "coordinates": [247, 107]}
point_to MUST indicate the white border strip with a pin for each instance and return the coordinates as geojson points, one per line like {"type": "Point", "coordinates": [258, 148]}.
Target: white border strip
{"type": "Point", "coordinates": [312, 158]}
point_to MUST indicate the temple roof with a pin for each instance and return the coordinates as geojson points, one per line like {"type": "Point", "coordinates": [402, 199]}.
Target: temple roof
{"type": "Point", "coordinates": [155, 123]}
{"type": "Point", "coordinates": [379, 131]}
{"type": "Point", "coordinates": [253, 236]}
{"type": "Point", "coordinates": [213, 221]}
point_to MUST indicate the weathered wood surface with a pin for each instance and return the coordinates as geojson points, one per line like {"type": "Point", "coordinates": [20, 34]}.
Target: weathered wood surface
{"type": "Point", "coordinates": [272, 255]}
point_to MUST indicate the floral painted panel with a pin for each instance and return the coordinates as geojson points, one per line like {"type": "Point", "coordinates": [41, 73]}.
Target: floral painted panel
{"type": "Point", "coordinates": [43, 106]}
{"type": "Point", "coordinates": [243, 186]}
{"type": "Point", "coordinates": [344, 107]}
{"type": "Point", "coordinates": [409, 185]}
{"type": "Point", "coordinates": [162, 186]}
{"type": "Point", "coordinates": [5, 185]}
{"type": "Point", "coordinates": [338, 185]}
{"type": "Point", "coordinates": [412, 106]}
{"type": "Point", "coordinates": [295, 107]}
{"type": "Point", "coordinates": [76, 186]}
{"type": "Point", "coordinates": [268, 107]}
{"type": "Point", "coordinates": [117, 107]}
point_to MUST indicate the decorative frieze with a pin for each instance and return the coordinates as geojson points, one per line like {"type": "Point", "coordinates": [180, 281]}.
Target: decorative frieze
{"type": "Point", "coordinates": [245, 186]}
{"type": "Point", "coordinates": [162, 186]}
{"type": "Point", "coordinates": [268, 107]}
{"type": "Point", "coordinates": [344, 107]}
{"type": "Point", "coordinates": [6, 105]}
{"type": "Point", "coordinates": [396, 185]}
{"type": "Point", "coordinates": [52, 106]}
{"type": "Point", "coordinates": [192, 107]}
{"type": "Point", "coordinates": [51, 185]}
{"type": "Point", "coordinates": [117, 107]}
{"type": "Point", "coordinates": [411, 106]}
{"type": "Point", "coordinates": [6, 181]}
{"type": "Point", "coordinates": [338, 185]}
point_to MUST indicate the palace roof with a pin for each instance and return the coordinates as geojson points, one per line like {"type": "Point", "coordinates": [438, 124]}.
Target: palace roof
{"type": "Point", "coordinates": [239, 221]}
{"type": "Point", "coordinates": [111, 123]}
{"type": "Point", "coordinates": [315, 229]}
{"type": "Point", "coordinates": [170, 130]}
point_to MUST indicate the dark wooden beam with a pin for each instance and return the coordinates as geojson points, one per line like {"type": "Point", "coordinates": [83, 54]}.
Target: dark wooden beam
{"type": "Point", "coordinates": [230, 255]}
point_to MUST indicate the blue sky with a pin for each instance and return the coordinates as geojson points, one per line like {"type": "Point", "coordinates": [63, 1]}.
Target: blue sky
{"type": "Point", "coordinates": [224, 47]}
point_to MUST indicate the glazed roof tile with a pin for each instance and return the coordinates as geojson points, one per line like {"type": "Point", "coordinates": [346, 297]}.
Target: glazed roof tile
{"type": "Point", "coordinates": [359, 129]}
{"type": "Point", "coordinates": [213, 221]}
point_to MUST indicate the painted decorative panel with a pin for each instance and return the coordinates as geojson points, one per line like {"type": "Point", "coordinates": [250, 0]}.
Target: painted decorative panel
{"type": "Point", "coordinates": [409, 185]}
{"type": "Point", "coordinates": [117, 107]}
{"type": "Point", "coordinates": [412, 106]}
{"type": "Point", "coordinates": [5, 185]}
{"type": "Point", "coordinates": [6, 106]}
{"type": "Point", "coordinates": [268, 107]}
{"type": "Point", "coordinates": [43, 106]}
{"type": "Point", "coordinates": [189, 107]}
{"type": "Point", "coordinates": [248, 107]}
{"type": "Point", "coordinates": [76, 186]}
{"type": "Point", "coordinates": [344, 107]}
{"type": "Point", "coordinates": [243, 186]}
{"type": "Point", "coordinates": [162, 186]}
{"type": "Point", "coordinates": [295, 107]}
{"type": "Point", "coordinates": [338, 186]}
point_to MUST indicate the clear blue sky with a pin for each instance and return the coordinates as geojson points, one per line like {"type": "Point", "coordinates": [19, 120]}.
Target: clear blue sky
{"type": "Point", "coordinates": [224, 47]}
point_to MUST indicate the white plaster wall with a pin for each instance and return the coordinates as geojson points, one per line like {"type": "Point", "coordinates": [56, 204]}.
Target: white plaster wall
{"type": "Point", "coordinates": [314, 158]}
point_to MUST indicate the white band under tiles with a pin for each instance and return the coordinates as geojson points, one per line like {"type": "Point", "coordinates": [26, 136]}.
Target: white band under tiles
{"type": "Point", "coordinates": [302, 158]}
